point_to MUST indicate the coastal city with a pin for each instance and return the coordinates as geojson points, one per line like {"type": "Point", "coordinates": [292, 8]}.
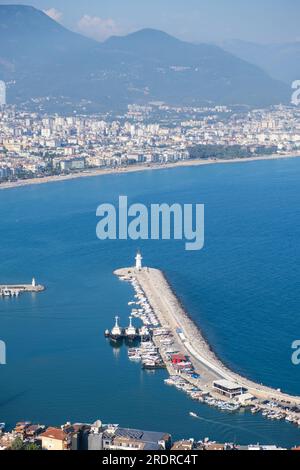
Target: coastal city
{"type": "Point", "coordinates": [150, 228]}
{"type": "Point", "coordinates": [108, 437]}
{"type": "Point", "coordinates": [35, 145]}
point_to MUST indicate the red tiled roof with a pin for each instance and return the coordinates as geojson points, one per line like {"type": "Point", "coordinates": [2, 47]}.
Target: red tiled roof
{"type": "Point", "coordinates": [54, 433]}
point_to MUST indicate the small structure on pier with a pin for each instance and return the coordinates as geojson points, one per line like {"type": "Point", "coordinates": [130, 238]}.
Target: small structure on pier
{"type": "Point", "coordinates": [228, 389]}
{"type": "Point", "coordinates": [138, 261]}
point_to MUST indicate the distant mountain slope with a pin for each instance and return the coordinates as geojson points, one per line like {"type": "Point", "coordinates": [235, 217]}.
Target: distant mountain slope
{"type": "Point", "coordinates": [181, 69]}
{"type": "Point", "coordinates": [46, 59]}
{"type": "Point", "coordinates": [281, 61]}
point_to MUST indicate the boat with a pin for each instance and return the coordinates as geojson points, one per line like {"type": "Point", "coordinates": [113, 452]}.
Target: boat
{"type": "Point", "coordinates": [193, 415]}
{"type": "Point", "coordinates": [169, 381]}
{"type": "Point", "coordinates": [135, 357]}
{"type": "Point", "coordinates": [144, 333]}
{"type": "Point", "coordinates": [151, 365]}
{"type": "Point", "coordinates": [116, 333]}
{"type": "Point", "coordinates": [131, 332]}
{"type": "Point", "coordinates": [255, 410]}
{"type": "Point", "coordinates": [289, 419]}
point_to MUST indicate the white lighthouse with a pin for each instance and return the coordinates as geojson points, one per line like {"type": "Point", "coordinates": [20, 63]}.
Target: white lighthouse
{"type": "Point", "coordinates": [138, 261]}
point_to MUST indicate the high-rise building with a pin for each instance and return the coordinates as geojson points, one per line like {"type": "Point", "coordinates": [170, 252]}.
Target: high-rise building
{"type": "Point", "coordinates": [2, 93]}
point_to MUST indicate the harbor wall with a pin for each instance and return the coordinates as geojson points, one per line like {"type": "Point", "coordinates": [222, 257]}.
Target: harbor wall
{"type": "Point", "coordinates": [171, 314]}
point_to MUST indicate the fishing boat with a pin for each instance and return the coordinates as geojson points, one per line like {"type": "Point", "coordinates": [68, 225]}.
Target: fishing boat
{"type": "Point", "coordinates": [116, 333]}
{"type": "Point", "coordinates": [131, 332]}
{"type": "Point", "coordinates": [152, 365]}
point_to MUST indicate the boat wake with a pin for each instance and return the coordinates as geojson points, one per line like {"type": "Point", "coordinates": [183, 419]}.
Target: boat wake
{"type": "Point", "coordinates": [229, 426]}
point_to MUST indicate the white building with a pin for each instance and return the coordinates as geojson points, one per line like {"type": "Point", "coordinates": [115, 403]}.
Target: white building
{"type": "Point", "coordinates": [2, 93]}
{"type": "Point", "coordinates": [228, 389]}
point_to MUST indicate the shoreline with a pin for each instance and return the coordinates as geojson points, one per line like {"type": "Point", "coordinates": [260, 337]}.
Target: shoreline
{"type": "Point", "coordinates": [173, 315]}
{"type": "Point", "coordinates": [141, 168]}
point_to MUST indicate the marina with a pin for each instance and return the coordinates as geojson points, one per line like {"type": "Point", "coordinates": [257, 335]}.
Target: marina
{"type": "Point", "coordinates": [177, 344]}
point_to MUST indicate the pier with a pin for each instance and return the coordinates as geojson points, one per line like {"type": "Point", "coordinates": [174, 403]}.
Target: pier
{"type": "Point", "coordinates": [189, 341]}
{"type": "Point", "coordinates": [14, 290]}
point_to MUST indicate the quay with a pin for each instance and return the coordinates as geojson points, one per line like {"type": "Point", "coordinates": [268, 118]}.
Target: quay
{"type": "Point", "coordinates": [211, 375]}
{"type": "Point", "coordinates": [15, 290]}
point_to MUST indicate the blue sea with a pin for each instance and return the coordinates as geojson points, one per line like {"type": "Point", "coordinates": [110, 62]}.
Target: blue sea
{"type": "Point", "coordinates": [242, 289]}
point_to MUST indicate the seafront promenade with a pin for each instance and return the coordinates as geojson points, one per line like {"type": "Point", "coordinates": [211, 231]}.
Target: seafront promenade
{"type": "Point", "coordinates": [189, 338]}
{"type": "Point", "coordinates": [137, 168]}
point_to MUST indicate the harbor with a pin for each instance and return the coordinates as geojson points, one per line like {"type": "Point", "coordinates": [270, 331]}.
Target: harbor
{"type": "Point", "coordinates": [16, 289]}
{"type": "Point", "coordinates": [192, 365]}
{"type": "Point", "coordinates": [83, 297]}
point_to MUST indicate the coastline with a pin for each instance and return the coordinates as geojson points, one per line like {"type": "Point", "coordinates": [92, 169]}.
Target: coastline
{"type": "Point", "coordinates": [140, 168]}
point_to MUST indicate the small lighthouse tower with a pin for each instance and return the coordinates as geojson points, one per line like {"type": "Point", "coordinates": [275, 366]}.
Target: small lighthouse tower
{"type": "Point", "coordinates": [138, 261]}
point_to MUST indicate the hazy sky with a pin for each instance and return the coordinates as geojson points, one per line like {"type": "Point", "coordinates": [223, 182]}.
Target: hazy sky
{"type": "Point", "coordinates": [195, 20]}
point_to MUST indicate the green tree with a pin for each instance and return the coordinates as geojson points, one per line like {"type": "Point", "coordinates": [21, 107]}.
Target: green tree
{"type": "Point", "coordinates": [32, 446]}
{"type": "Point", "coordinates": [17, 444]}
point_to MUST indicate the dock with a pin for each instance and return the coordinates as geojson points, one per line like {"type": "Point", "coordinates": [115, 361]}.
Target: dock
{"type": "Point", "coordinates": [190, 341]}
{"type": "Point", "coordinates": [14, 290]}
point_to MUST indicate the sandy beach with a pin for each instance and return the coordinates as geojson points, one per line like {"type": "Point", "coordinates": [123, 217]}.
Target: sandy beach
{"type": "Point", "coordinates": [139, 168]}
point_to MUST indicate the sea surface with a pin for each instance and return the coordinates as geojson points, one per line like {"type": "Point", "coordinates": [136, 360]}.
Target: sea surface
{"type": "Point", "coordinates": [242, 289]}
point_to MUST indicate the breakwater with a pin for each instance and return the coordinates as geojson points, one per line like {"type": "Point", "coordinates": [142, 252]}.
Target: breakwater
{"type": "Point", "coordinates": [189, 338]}
{"type": "Point", "coordinates": [14, 290]}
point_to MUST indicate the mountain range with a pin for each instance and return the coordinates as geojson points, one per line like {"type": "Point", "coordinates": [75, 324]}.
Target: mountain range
{"type": "Point", "coordinates": [41, 58]}
{"type": "Point", "coordinates": [281, 61]}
